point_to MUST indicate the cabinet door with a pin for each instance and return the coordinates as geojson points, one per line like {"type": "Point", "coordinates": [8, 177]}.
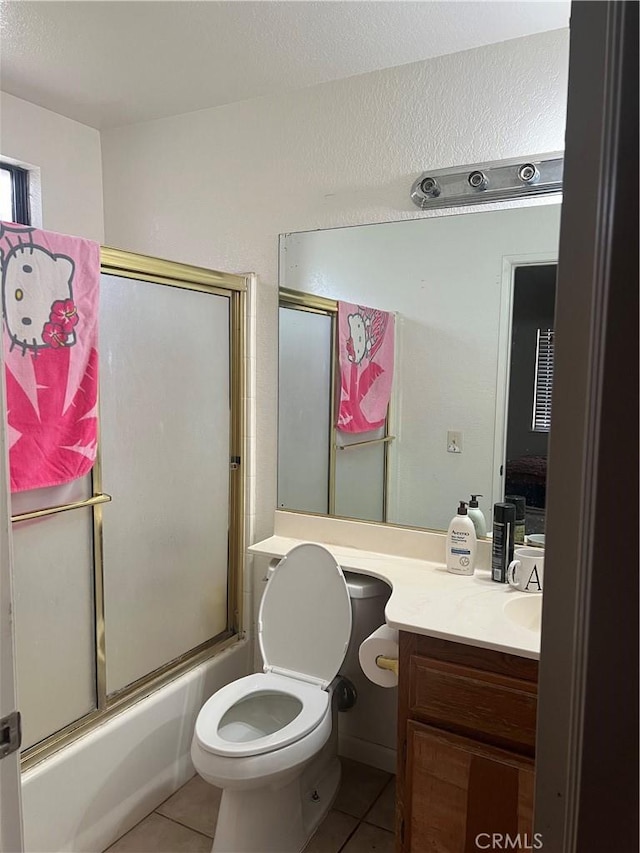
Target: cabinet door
{"type": "Point", "coordinates": [459, 793]}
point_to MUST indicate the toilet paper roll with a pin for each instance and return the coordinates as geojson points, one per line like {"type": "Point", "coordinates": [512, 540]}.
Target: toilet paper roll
{"type": "Point", "coordinates": [383, 641]}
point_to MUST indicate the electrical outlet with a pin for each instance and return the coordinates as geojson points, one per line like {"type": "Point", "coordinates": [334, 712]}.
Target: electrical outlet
{"type": "Point", "coordinates": [454, 441]}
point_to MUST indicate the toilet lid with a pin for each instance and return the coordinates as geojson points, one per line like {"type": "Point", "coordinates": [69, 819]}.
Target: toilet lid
{"type": "Point", "coordinates": [304, 623]}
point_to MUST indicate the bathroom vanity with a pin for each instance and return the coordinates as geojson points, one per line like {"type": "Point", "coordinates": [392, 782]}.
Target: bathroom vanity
{"type": "Point", "coordinates": [466, 742]}
{"type": "Point", "coordinates": [467, 689]}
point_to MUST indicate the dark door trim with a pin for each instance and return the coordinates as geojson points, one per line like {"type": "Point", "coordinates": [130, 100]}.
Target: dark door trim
{"type": "Point", "coordinates": [587, 754]}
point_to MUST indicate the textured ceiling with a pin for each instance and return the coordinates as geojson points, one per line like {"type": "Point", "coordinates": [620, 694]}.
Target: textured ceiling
{"type": "Point", "coordinates": [112, 63]}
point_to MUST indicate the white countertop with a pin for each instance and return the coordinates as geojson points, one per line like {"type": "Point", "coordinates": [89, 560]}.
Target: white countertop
{"type": "Point", "coordinates": [426, 599]}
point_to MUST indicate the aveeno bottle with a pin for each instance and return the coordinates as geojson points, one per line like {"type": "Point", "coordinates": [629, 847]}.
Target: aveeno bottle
{"type": "Point", "coordinates": [461, 543]}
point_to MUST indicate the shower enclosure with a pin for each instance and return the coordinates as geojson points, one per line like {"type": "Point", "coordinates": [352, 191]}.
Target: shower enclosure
{"type": "Point", "coordinates": [128, 577]}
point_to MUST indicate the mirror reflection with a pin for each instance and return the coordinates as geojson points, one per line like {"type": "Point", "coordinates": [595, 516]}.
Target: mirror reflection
{"type": "Point", "coordinates": [450, 317]}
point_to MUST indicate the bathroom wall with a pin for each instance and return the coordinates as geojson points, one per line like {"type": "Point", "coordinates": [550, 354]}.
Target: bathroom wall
{"type": "Point", "coordinates": [216, 187]}
{"type": "Point", "coordinates": [68, 185]}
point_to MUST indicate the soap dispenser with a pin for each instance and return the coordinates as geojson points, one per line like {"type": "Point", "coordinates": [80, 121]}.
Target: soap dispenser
{"type": "Point", "coordinates": [477, 516]}
{"type": "Point", "coordinates": [461, 543]}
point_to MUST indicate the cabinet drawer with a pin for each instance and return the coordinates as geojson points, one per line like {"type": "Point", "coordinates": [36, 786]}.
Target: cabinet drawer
{"type": "Point", "coordinates": [472, 701]}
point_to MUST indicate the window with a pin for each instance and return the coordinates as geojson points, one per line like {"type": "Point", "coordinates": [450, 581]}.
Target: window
{"type": "Point", "coordinates": [14, 194]}
{"type": "Point", "coordinates": [543, 381]}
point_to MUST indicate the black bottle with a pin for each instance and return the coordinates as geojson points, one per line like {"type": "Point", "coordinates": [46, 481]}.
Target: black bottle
{"type": "Point", "coordinates": [520, 504]}
{"type": "Point", "coordinates": [504, 523]}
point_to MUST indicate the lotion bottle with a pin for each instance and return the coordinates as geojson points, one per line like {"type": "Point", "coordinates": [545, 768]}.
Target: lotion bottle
{"type": "Point", "coordinates": [477, 516]}
{"type": "Point", "coordinates": [461, 543]}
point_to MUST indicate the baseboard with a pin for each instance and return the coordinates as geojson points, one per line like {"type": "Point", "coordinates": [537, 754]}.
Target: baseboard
{"type": "Point", "coordinates": [373, 754]}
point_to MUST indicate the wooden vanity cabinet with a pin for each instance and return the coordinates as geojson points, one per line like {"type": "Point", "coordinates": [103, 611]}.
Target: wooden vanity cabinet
{"type": "Point", "coordinates": [466, 743]}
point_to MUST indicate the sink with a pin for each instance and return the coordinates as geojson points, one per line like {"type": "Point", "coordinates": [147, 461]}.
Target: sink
{"type": "Point", "coordinates": [525, 611]}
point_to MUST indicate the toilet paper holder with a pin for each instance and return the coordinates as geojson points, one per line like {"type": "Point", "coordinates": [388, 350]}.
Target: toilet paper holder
{"type": "Point", "coordinates": [387, 663]}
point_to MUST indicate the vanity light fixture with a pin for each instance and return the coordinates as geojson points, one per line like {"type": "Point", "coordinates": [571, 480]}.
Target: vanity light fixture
{"type": "Point", "coordinates": [489, 182]}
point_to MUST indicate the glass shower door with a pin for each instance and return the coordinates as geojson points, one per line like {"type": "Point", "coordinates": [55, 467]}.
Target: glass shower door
{"type": "Point", "coordinates": [165, 428]}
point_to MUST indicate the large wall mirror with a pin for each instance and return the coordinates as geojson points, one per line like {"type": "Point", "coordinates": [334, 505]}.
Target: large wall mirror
{"type": "Point", "coordinates": [472, 297]}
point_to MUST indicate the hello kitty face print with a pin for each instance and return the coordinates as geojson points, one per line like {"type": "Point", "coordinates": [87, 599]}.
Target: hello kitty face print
{"type": "Point", "coordinates": [366, 331]}
{"type": "Point", "coordinates": [358, 342]}
{"type": "Point", "coordinates": [50, 297]}
{"type": "Point", "coordinates": [37, 293]}
{"type": "Point", "coordinates": [365, 351]}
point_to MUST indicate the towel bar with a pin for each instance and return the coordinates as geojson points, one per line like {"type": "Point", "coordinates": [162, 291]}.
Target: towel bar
{"type": "Point", "coordinates": [362, 443]}
{"type": "Point", "coordinates": [52, 510]}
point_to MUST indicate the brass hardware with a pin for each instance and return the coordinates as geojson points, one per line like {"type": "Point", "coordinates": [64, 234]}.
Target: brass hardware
{"type": "Point", "coordinates": [237, 474]}
{"type": "Point", "coordinates": [387, 663]}
{"type": "Point", "coordinates": [52, 510]}
{"type": "Point", "coordinates": [147, 268]}
{"type": "Point", "coordinates": [363, 443]}
{"type": "Point", "coordinates": [386, 466]}
{"type": "Point", "coordinates": [99, 639]}
{"type": "Point", "coordinates": [307, 301]}
{"type": "Point", "coordinates": [333, 414]}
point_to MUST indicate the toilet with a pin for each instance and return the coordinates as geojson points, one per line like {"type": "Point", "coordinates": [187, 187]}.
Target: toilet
{"type": "Point", "coordinates": [269, 740]}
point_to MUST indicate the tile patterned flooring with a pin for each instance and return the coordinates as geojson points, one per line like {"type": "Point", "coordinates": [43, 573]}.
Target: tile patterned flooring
{"type": "Point", "coordinates": [361, 820]}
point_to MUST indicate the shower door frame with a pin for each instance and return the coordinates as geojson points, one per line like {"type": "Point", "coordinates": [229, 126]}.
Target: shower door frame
{"type": "Point", "coordinates": [298, 300]}
{"type": "Point", "coordinates": [117, 262]}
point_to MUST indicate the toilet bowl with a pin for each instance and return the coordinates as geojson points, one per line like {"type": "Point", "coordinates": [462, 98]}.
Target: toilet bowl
{"type": "Point", "coordinates": [269, 740]}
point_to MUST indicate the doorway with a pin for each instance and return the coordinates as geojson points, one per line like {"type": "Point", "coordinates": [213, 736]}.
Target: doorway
{"type": "Point", "coordinates": [530, 385]}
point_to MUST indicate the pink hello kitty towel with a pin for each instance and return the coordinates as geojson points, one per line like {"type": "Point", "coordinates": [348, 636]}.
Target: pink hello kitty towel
{"type": "Point", "coordinates": [365, 350]}
{"type": "Point", "coordinates": [50, 309]}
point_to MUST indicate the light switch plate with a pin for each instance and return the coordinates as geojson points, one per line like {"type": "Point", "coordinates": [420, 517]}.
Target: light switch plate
{"type": "Point", "coordinates": [454, 441]}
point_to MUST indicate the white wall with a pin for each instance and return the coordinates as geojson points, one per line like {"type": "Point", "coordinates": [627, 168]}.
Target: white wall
{"type": "Point", "coordinates": [217, 187]}
{"type": "Point", "coordinates": [69, 159]}
{"type": "Point", "coordinates": [444, 278]}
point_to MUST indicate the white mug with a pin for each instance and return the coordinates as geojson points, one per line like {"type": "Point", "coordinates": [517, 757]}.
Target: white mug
{"type": "Point", "coordinates": [526, 571]}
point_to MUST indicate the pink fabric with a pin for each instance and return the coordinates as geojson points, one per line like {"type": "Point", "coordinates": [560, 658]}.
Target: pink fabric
{"type": "Point", "coordinates": [50, 285]}
{"type": "Point", "coordinates": [365, 350]}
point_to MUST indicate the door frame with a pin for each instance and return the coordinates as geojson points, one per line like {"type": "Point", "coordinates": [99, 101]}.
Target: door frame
{"type": "Point", "coordinates": [509, 265]}
{"type": "Point", "coordinates": [587, 742]}
{"type": "Point", "coordinates": [11, 835]}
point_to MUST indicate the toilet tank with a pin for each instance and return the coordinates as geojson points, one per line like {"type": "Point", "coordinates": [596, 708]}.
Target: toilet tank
{"type": "Point", "coordinates": [367, 732]}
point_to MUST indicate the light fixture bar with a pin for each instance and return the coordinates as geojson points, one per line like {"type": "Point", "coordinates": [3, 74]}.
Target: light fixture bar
{"type": "Point", "coordinates": [489, 182]}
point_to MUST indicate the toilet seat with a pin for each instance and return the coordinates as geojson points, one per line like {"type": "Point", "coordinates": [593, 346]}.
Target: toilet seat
{"type": "Point", "coordinates": [304, 626]}
{"type": "Point", "coordinates": [314, 704]}
{"type": "Point", "coordinates": [304, 621]}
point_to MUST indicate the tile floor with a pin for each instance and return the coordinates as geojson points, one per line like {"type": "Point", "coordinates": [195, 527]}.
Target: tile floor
{"type": "Point", "coordinates": [361, 820]}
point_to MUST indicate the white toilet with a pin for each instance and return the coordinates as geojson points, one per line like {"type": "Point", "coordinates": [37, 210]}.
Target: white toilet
{"type": "Point", "coordinates": [270, 740]}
